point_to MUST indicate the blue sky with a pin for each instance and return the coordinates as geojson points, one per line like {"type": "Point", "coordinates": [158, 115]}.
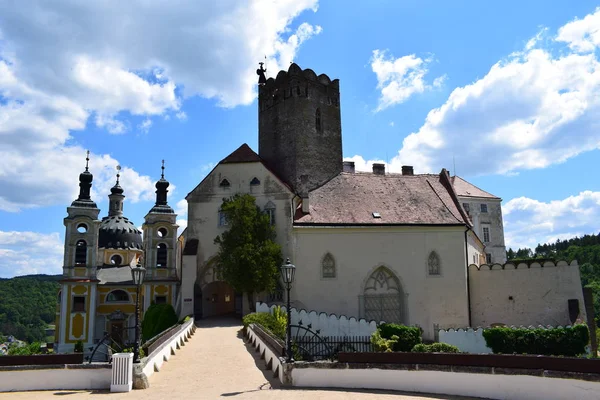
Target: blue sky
{"type": "Point", "coordinates": [507, 92]}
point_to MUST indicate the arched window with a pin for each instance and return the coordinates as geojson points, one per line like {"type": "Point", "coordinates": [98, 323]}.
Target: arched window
{"type": "Point", "coordinates": [318, 120]}
{"type": "Point", "coordinates": [81, 252]}
{"type": "Point", "coordinates": [328, 266]}
{"type": "Point", "coordinates": [161, 256]}
{"type": "Point", "coordinates": [383, 297]}
{"type": "Point", "coordinates": [433, 263]}
{"type": "Point", "coordinates": [117, 296]}
{"type": "Point", "coordinates": [225, 183]}
{"type": "Point", "coordinates": [270, 211]}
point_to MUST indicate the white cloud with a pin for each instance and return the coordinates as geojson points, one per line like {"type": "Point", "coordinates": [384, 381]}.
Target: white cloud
{"type": "Point", "coordinates": [61, 65]}
{"type": "Point", "coordinates": [530, 222]}
{"type": "Point", "coordinates": [145, 126]}
{"type": "Point", "coordinates": [24, 253]}
{"type": "Point", "coordinates": [537, 107]}
{"type": "Point", "coordinates": [181, 209]}
{"type": "Point", "coordinates": [398, 79]}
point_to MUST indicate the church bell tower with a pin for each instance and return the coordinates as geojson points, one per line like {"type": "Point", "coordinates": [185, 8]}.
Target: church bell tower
{"type": "Point", "coordinates": [299, 126]}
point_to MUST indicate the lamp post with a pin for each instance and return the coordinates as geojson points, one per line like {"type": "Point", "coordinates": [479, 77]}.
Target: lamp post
{"type": "Point", "coordinates": [287, 276]}
{"type": "Point", "coordinates": [137, 274]}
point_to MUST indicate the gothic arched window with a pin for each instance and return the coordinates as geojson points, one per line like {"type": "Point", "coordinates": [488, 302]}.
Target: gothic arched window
{"type": "Point", "coordinates": [433, 263]}
{"type": "Point", "coordinates": [318, 120]}
{"type": "Point", "coordinates": [328, 266]}
{"type": "Point", "coordinates": [81, 252]}
{"type": "Point", "coordinates": [383, 298]}
{"type": "Point", "coordinates": [161, 256]}
{"type": "Point", "coordinates": [270, 211]}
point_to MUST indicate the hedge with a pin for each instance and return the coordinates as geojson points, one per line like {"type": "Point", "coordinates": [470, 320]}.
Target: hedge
{"type": "Point", "coordinates": [158, 318]}
{"type": "Point", "coordinates": [567, 341]}
{"type": "Point", "coordinates": [276, 323]}
{"type": "Point", "coordinates": [435, 348]}
{"type": "Point", "coordinates": [394, 337]}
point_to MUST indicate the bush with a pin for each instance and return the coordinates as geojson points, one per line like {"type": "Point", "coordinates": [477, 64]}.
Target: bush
{"type": "Point", "coordinates": [158, 318]}
{"type": "Point", "coordinates": [275, 323]}
{"type": "Point", "coordinates": [568, 341]}
{"type": "Point", "coordinates": [399, 337]}
{"type": "Point", "coordinates": [435, 348]}
{"type": "Point", "coordinates": [27, 350]}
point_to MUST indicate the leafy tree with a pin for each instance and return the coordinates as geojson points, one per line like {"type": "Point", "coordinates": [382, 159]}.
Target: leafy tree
{"type": "Point", "coordinates": [158, 318]}
{"type": "Point", "coordinates": [248, 256]}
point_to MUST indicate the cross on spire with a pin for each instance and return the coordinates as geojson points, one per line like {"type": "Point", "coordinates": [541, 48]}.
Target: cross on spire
{"type": "Point", "coordinates": [87, 161]}
{"type": "Point", "coordinates": [162, 174]}
{"type": "Point", "coordinates": [118, 173]}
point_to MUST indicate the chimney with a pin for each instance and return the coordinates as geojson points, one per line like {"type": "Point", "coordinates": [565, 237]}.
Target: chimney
{"type": "Point", "coordinates": [305, 208]}
{"type": "Point", "coordinates": [378, 169]}
{"type": "Point", "coordinates": [408, 170]}
{"type": "Point", "coordinates": [349, 166]}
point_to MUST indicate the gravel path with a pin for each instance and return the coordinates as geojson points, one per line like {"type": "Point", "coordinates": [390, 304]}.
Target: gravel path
{"type": "Point", "coordinates": [216, 363]}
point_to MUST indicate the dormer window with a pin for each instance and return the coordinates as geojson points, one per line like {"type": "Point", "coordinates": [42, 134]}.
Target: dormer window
{"type": "Point", "coordinates": [225, 183]}
{"type": "Point", "coordinates": [376, 214]}
{"type": "Point", "coordinates": [255, 181]}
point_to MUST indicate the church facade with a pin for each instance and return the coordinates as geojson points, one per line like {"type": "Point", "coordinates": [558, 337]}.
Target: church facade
{"type": "Point", "coordinates": [97, 295]}
{"type": "Point", "coordinates": [377, 245]}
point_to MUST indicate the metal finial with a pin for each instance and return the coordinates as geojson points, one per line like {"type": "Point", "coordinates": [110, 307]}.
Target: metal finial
{"type": "Point", "coordinates": [118, 173]}
{"type": "Point", "coordinates": [87, 161]}
{"type": "Point", "coordinates": [162, 174]}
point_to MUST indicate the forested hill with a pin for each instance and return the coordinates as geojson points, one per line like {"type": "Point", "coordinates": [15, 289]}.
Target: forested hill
{"type": "Point", "coordinates": [28, 305]}
{"type": "Point", "coordinates": [585, 249]}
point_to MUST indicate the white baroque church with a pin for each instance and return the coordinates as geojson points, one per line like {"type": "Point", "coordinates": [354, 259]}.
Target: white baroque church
{"type": "Point", "coordinates": [417, 249]}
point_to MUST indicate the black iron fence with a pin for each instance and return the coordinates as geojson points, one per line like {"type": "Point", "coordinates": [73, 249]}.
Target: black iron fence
{"type": "Point", "coordinates": [311, 348]}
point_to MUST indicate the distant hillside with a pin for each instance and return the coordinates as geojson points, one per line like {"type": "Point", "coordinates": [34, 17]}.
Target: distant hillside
{"type": "Point", "coordinates": [27, 305]}
{"type": "Point", "coordinates": [585, 249]}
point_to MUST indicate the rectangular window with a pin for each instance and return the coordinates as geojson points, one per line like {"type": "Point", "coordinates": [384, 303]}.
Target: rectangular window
{"type": "Point", "coordinates": [488, 258]}
{"type": "Point", "coordinates": [160, 300]}
{"type": "Point", "coordinates": [222, 219]}
{"type": "Point", "coordinates": [484, 208]}
{"type": "Point", "coordinates": [486, 234]}
{"type": "Point", "coordinates": [78, 304]}
{"type": "Point", "coordinates": [466, 206]}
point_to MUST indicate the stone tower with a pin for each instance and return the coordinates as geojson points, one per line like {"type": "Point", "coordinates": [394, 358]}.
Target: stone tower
{"type": "Point", "coordinates": [299, 127]}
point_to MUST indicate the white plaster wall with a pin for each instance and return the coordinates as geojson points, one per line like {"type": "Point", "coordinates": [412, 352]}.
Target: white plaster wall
{"type": "Point", "coordinates": [475, 248]}
{"type": "Point", "coordinates": [467, 340]}
{"type": "Point", "coordinates": [539, 294]}
{"type": "Point", "coordinates": [520, 387]}
{"type": "Point", "coordinates": [55, 379]}
{"type": "Point", "coordinates": [404, 250]}
{"type": "Point", "coordinates": [205, 201]}
{"type": "Point", "coordinates": [188, 278]}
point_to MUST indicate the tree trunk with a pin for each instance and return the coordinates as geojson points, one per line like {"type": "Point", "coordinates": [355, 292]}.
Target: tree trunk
{"type": "Point", "coordinates": [251, 302]}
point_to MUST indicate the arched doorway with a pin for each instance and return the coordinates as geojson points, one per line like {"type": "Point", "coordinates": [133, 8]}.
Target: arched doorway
{"type": "Point", "coordinates": [218, 298]}
{"type": "Point", "coordinates": [383, 298]}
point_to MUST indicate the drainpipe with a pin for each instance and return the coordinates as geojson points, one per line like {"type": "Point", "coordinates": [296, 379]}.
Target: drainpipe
{"type": "Point", "coordinates": [468, 283]}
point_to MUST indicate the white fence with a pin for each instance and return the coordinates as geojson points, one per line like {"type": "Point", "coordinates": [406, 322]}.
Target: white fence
{"type": "Point", "coordinates": [327, 325]}
{"type": "Point", "coordinates": [467, 340]}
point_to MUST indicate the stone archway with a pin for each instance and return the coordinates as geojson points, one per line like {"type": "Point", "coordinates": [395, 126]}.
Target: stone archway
{"type": "Point", "coordinates": [383, 297]}
{"type": "Point", "coordinates": [218, 298]}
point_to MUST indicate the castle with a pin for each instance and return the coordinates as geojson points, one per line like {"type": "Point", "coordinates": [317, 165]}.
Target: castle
{"type": "Point", "coordinates": [418, 249]}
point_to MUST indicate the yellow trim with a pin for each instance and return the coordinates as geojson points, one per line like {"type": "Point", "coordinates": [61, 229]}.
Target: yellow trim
{"type": "Point", "coordinates": [124, 307]}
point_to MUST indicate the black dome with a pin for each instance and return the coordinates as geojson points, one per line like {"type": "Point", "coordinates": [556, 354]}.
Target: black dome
{"type": "Point", "coordinates": [162, 184]}
{"type": "Point", "coordinates": [117, 232]}
{"type": "Point", "coordinates": [86, 177]}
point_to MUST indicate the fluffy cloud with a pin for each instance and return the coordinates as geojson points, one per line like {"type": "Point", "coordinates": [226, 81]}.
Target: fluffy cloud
{"type": "Point", "coordinates": [24, 253]}
{"type": "Point", "coordinates": [529, 222]}
{"type": "Point", "coordinates": [181, 209]}
{"type": "Point", "coordinates": [398, 79]}
{"type": "Point", "coordinates": [61, 66]}
{"type": "Point", "coordinates": [537, 107]}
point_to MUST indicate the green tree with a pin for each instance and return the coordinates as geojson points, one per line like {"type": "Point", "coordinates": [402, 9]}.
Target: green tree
{"type": "Point", "coordinates": [248, 256]}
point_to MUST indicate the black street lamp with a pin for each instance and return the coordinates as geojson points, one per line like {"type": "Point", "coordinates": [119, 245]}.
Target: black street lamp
{"type": "Point", "coordinates": [287, 276]}
{"type": "Point", "coordinates": [137, 274]}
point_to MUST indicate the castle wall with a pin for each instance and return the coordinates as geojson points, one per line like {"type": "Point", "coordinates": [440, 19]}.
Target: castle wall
{"type": "Point", "coordinates": [428, 299]}
{"type": "Point", "coordinates": [291, 140]}
{"type": "Point", "coordinates": [525, 295]}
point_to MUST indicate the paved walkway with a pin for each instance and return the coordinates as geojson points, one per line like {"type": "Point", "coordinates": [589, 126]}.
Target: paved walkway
{"type": "Point", "coordinates": [216, 363]}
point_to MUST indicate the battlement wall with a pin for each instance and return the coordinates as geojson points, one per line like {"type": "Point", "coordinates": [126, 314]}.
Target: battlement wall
{"type": "Point", "coordinates": [526, 293]}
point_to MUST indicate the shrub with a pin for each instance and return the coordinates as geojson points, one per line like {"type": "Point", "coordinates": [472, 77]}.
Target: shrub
{"type": "Point", "coordinates": [130, 350]}
{"type": "Point", "coordinates": [157, 319]}
{"type": "Point", "coordinates": [567, 341]}
{"type": "Point", "coordinates": [381, 344]}
{"type": "Point", "coordinates": [275, 323]}
{"type": "Point", "coordinates": [27, 350]}
{"type": "Point", "coordinates": [435, 348]}
{"type": "Point", "coordinates": [406, 337]}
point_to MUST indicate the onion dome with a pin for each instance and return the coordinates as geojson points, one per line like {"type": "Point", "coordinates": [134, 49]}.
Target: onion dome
{"type": "Point", "coordinates": [85, 186]}
{"type": "Point", "coordinates": [161, 206]}
{"type": "Point", "coordinates": [116, 231]}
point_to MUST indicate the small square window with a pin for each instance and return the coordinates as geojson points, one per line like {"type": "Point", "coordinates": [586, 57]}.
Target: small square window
{"type": "Point", "coordinates": [160, 300]}
{"type": "Point", "coordinates": [78, 304]}
{"type": "Point", "coordinates": [484, 208]}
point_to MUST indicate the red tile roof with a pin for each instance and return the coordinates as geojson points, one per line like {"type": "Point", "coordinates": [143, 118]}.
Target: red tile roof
{"type": "Point", "coordinates": [243, 154]}
{"type": "Point", "coordinates": [352, 198]}
{"type": "Point", "coordinates": [466, 189]}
